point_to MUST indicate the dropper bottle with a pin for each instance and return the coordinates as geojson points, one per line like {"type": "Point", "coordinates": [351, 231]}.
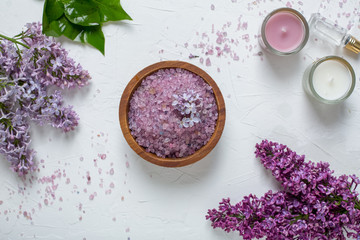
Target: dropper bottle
{"type": "Point", "coordinates": [333, 33]}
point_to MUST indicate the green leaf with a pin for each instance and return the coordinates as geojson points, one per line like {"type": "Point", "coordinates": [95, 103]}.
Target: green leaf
{"type": "Point", "coordinates": [95, 37]}
{"type": "Point", "coordinates": [62, 26]}
{"type": "Point", "coordinates": [53, 9]}
{"type": "Point", "coordinates": [81, 20]}
{"type": "Point", "coordinates": [91, 35]}
{"type": "Point", "coordinates": [94, 12]}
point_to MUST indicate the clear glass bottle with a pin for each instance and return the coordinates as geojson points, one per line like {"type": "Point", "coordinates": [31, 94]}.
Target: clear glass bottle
{"type": "Point", "coordinates": [333, 33]}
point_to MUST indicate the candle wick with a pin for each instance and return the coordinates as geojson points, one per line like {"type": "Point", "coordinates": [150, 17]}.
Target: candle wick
{"type": "Point", "coordinates": [283, 30]}
{"type": "Point", "coordinates": [331, 81]}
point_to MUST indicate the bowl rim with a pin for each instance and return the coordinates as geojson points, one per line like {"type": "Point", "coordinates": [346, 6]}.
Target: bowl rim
{"type": "Point", "coordinates": [151, 157]}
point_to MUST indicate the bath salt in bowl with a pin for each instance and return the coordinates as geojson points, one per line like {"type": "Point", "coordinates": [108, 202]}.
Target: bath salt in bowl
{"type": "Point", "coordinates": [172, 113]}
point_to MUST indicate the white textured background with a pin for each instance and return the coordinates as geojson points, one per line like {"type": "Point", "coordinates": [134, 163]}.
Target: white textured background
{"type": "Point", "coordinates": [136, 200]}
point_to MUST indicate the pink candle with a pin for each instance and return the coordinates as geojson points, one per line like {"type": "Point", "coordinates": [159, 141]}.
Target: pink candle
{"type": "Point", "coordinates": [284, 31]}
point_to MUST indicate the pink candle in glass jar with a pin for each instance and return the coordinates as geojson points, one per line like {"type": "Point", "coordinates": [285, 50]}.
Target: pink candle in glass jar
{"type": "Point", "coordinates": [284, 32]}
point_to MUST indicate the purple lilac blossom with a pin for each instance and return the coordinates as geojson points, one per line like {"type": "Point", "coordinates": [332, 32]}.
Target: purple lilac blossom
{"type": "Point", "coordinates": [189, 104]}
{"type": "Point", "coordinates": [28, 76]}
{"type": "Point", "coordinates": [173, 113]}
{"type": "Point", "coordinates": [314, 204]}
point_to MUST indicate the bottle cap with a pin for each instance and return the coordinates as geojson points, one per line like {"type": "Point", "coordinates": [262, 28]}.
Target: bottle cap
{"type": "Point", "coordinates": [353, 45]}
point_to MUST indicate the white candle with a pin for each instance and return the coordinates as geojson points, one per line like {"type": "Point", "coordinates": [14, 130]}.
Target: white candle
{"type": "Point", "coordinates": [330, 79]}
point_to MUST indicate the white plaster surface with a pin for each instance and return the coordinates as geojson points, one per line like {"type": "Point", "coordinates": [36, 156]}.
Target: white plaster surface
{"type": "Point", "coordinates": [136, 200]}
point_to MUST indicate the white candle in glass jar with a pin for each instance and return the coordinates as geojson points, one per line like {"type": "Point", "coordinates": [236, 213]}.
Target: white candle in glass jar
{"type": "Point", "coordinates": [330, 79]}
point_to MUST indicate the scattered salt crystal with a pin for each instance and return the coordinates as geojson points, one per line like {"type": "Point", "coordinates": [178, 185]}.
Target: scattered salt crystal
{"type": "Point", "coordinates": [208, 62]}
{"type": "Point", "coordinates": [245, 37]}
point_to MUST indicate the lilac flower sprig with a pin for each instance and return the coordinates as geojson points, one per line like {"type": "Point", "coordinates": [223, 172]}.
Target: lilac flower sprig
{"type": "Point", "coordinates": [313, 205]}
{"type": "Point", "coordinates": [304, 179]}
{"type": "Point", "coordinates": [189, 105]}
{"type": "Point", "coordinates": [31, 65]}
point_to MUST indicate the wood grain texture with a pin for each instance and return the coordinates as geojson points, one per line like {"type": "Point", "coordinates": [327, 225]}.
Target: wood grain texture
{"type": "Point", "coordinates": [124, 108]}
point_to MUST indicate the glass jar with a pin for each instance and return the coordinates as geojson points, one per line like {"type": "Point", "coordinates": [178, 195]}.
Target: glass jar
{"type": "Point", "coordinates": [284, 32]}
{"type": "Point", "coordinates": [329, 80]}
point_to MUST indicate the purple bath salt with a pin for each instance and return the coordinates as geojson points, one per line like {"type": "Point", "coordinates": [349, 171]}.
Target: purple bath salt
{"type": "Point", "coordinates": [173, 113]}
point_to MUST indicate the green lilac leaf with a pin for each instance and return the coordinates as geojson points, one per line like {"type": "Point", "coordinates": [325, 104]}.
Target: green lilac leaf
{"type": "Point", "coordinates": [91, 35]}
{"type": "Point", "coordinates": [81, 20]}
{"type": "Point", "coordinates": [62, 26]}
{"type": "Point", "coordinates": [53, 9]}
{"type": "Point", "coordinates": [94, 12]}
{"type": "Point", "coordinates": [95, 37]}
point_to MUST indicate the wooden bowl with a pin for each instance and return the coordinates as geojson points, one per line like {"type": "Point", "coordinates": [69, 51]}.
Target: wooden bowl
{"type": "Point", "coordinates": [124, 109]}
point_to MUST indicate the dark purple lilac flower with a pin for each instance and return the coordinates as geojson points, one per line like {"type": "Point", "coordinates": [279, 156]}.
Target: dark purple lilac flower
{"type": "Point", "coordinates": [31, 65]}
{"type": "Point", "coordinates": [313, 205]}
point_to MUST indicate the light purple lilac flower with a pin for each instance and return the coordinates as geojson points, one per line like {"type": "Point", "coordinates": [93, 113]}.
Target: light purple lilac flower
{"type": "Point", "coordinates": [193, 119]}
{"type": "Point", "coordinates": [31, 65]}
{"type": "Point", "coordinates": [189, 105]}
{"type": "Point", "coordinates": [313, 205]}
